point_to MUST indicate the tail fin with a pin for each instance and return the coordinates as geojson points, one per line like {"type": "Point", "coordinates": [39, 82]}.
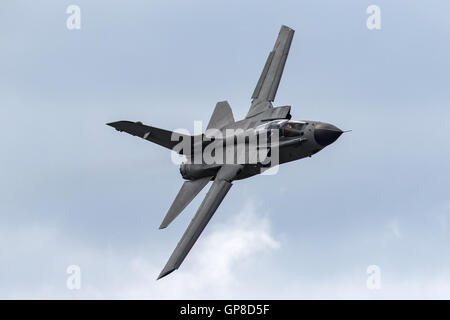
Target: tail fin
{"type": "Point", "coordinates": [222, 116]}
{"type": "Point", "coordinates": [186, 194]}
{"type": "Point", "coordinates": [165, 138]}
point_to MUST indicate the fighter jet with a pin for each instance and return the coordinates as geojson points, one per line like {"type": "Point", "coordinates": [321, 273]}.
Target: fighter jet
{"type": "Point", "coordinates": [290, 140]}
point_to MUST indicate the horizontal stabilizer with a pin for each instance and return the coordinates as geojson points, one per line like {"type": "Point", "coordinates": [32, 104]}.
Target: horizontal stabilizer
{"type": "Point", "coordinates": [215, 195]}
{"type": "Point", "coordinates": [187, 193]}
{"type": "Point", "coordinates": [165, 138]}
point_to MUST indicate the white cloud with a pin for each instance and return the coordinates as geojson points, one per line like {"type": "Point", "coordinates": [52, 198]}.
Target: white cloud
{"type": "Point", "coordinates": [213, 268]}
{"type": "Point", "coordinates": [394, 227]}
{"type": "Point", "coordinates": [224, 264]}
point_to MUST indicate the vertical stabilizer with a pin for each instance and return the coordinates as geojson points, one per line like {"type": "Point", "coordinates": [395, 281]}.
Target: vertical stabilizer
{"type": "Point", "coordinates": [222, 116]}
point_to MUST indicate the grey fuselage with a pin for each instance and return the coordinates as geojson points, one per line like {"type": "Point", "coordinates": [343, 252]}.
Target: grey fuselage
{"type": "Point", "coordinates": [233, 150]}
{"type": "Point", "coordinates": [312, 137]}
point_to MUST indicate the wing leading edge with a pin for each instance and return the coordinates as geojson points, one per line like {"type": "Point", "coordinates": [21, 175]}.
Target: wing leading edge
{"type": "Point", "coordinates": [268, 82]}
{"type": "Point", "coordinates": [213, 199]}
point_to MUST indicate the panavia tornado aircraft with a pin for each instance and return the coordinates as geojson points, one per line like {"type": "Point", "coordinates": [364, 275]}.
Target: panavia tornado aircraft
{"type": "Point", "coordinates": [295, 140]}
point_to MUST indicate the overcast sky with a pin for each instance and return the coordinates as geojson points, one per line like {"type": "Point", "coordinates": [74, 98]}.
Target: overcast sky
{"type": "Point", "coordinates": [76, 192]}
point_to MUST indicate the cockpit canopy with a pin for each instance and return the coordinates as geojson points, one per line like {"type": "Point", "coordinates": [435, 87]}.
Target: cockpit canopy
{"type": "Point", "coordinates": [293, 128]}
{"type": "Point", "coordinates": [286, 128]}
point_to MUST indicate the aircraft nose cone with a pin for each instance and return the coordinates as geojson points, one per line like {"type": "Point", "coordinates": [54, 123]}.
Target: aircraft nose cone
{"type": "Point", "coordinates": [325, 134]}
